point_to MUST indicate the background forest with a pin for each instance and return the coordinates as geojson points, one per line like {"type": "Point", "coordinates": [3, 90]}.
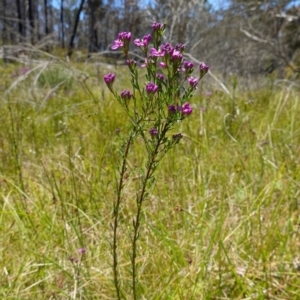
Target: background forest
{"type": "Point", "coordinates": [221, 217]}
{"type": "Point", "coordinates": [243, 37]}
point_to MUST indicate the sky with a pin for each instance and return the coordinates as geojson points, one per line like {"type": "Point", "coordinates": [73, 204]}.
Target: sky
{"type": "Point", "coordinates": [217, 4]}
{"type": "Point", "coordinates": [223, 3]}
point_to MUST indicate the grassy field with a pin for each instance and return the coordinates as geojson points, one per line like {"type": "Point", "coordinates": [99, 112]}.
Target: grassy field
{"type": "Point", "coordinates": [221, 222]}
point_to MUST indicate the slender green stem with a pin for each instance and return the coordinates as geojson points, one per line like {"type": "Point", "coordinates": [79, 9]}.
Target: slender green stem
{"type": "Point", "coordinates": [136, 223]}
{"type": "Point", "coordinates": [116, 216]}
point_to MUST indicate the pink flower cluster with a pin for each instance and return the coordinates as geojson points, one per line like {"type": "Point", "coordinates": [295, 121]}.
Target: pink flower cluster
{"type": "Point", "coordinates": [193, 81]}
{"type": "Point", "coordinates": [143, 42]}
{"type": "Point", "coordinates": [160, 55]}
{"type": "Point", "coordinates": [157, 26]}
{"type": "Point", "coordinates": [126, 95]}
{"type": "Point", "coordinates": [124, 39]}
{"type": "Point", "coordinates": [185, 109]}
{"type": "Point", "coordinates": [167, 51]}
{"type": "Point", "coordinates": [151, 88]}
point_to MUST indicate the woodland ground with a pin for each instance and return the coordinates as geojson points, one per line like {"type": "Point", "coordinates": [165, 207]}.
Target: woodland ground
{"type": "Point", "coordinates": [221, 222]}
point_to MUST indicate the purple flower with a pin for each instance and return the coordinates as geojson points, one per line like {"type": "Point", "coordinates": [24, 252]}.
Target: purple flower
{"type": "Point", "coordinates": [163, 64]}
{"type": "Point", "coordinates": [172, 109]}
{"type": "Point", "coordinates": [143, 42]}
{"type": "Point", "coordinates": [147, 38]}
{"type": "Point", "coordinates": [179, 47]}
{"type": "Point", "coordinates": [81, 250]}
{"type": "Point", "coordinates": [124, 36]}
{"type": "Point", "coordinates": [126, 95]}
{"type": "Point", "coordinates": [193, 81]}
{"type": "Point", "coordinates": [157, 26]}
{"type": "Point", "coordinates": [203, 69]}
{"type": "Point", "coordinates": [148, 61]}
{"type": "Point", "coordinates": [186, 110]}
{"type": "Point", "coordinates": [122, 42]}
{"type": "Point", "coordinates": [160, 77]}
{"type": "Point", "coordinates": [167, 48]}
{"type": "Point", "coordinates": [176, 55]}
{"type": "Point", "coordinates": [157, 53]}
{"type": "Point", "coordinates": [153, 132]}
{"type": "Point", "coordinates": [73, 259]}
{"type": "Point", "coordinates": [188, 65]}
{"type": "Point", "coordinates": [109, 80]}
{"type": "Point", "coordinates": [117, 44]}
{"type": "Point", "coordinates": [145, 64]}
{"type": "Point", "coordinates": [131, 64]}
{"type": "Point", "coordinates": [151, 88]}
{"type": "Point", "coordinates": [139, 43]}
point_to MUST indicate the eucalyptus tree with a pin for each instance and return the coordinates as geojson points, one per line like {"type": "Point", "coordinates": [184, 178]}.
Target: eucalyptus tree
{"type": "Point", "coordinates": [270, 31]}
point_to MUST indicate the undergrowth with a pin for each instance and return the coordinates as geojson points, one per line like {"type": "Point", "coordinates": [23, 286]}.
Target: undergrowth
{"type": "Point", "coordinates": [221, 221]}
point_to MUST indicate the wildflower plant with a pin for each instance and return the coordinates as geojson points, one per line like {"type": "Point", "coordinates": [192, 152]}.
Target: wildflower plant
{"type": "Point", "coordinates": [153, 108]}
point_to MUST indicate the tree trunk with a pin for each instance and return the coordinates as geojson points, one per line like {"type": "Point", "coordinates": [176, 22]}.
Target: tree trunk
{"type": "Point", "coordinates": [31, 20]}
{"type": "Point", "coordinates": [20, 20]}
{"type": "Point", "coordinates": [93, 36]}
{"type": "Point", "coordinates": [62, 23]}
{"type": "Point", "coordinates": [4, 31]}
{"type": "Point", "coordinates": [71, 44]}
{"type": "Point", "coordinates": [24, 17]}
{"type": "Point", "coordinates": [50, 16]}
{"type": "Point", "coordinates": [46, 17]}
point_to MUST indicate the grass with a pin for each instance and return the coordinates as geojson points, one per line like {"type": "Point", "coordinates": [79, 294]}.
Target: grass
{"type": "Point", "coordinates": [222, 221]}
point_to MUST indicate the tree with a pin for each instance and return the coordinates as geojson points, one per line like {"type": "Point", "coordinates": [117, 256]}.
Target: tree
{"type": "Point", "coordinates": [46, 17]}
{"type": "Point", "coordinates": [71, 44]}
{"type": "Point", "coordinates": [31, 13]}
{"type": "Point", "coordinates": [265, 29]}
{"type": "Point", "coordinates": [182, 18]}
{"type": "Point", "coordinates": [21, 25]}
{"type": "Point", "coordinates": [93, 6]}
{"type": "Point", "coordinates": [62, 25]}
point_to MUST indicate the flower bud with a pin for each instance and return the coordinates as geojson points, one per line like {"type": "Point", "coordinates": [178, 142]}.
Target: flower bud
{"type": "Point", "coordinates": [193, 81]}
{"type": "Point", "coordinates": [186, 110]}
{"type": "Point", "coordinates": [153, 132]}
{"type": "Point", "coordinates": [203, 69]}
{"type": "Point", "coordinates": [109, 80]}
{"type": "Point", "coordinates": [126, 96]}
{"type": "Point", "coordinates": [151, 88]}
